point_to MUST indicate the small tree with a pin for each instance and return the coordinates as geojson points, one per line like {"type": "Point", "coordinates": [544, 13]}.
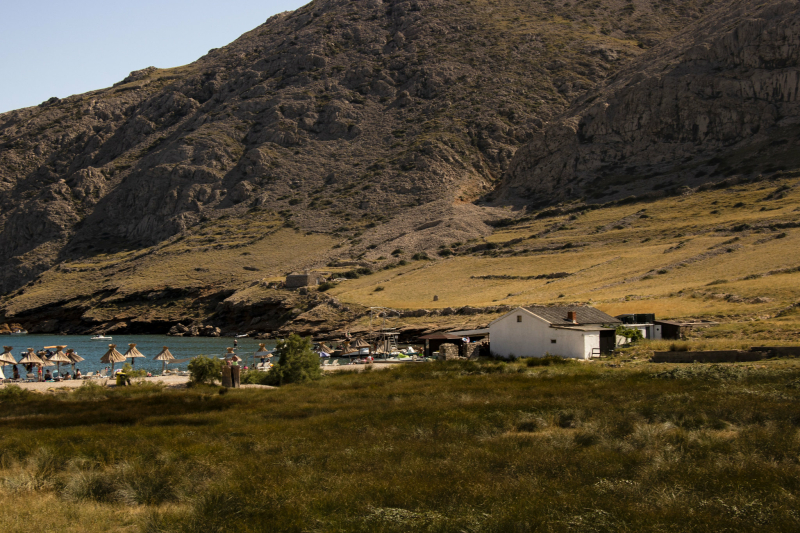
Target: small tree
{"type": "Point", "coordinates": [297, 362]}
{"type": "Point", "coordinates": [205, 369]}
{"type": "Point", "coordinates": [632, 334]}
{"type": "Point", "coordinates": [131, 373]}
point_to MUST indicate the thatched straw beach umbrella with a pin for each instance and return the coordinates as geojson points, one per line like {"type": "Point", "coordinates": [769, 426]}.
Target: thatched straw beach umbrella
{"type": "Point", "coordinates": [164, 356]}
{"type": "Point", "coordinates": [360, 343]}
{"type": "Point", "coordinates": [59, 357]}
{"type": "Point", "coordinates": [112, 356]}
{"type": "Point", "coordinates": [261, 352]}
{"type": "Point", "coordinates": [30, 358]}
{"type": "Point", "coordinates": [133, 353]}
{"type": "Point", "coordinates": [74, 358]}
{"type": "Point", "coordinates": [6, 358]}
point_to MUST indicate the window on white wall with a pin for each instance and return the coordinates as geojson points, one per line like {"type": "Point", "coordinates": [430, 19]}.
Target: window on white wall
{"type": "Point", "coordinates": [552, 341]}
{"type": "Point", "coordinates": [519, 318]}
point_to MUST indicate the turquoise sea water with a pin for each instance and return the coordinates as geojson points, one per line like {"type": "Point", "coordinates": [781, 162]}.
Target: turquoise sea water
{"type": "Point", "coordinates": [149, 345]}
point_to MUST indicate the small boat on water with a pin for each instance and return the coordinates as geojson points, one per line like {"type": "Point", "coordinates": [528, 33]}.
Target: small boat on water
{"type": "Point", "coordinates": [19, 332]}
{"type": "Point", "coordinates": [100, 337]}
{"type": "Point", "coordinates": [243, 336]}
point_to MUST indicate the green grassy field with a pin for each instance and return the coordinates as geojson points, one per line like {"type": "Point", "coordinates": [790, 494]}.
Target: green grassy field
{"type": "Point", "coordinates": [458, 446]}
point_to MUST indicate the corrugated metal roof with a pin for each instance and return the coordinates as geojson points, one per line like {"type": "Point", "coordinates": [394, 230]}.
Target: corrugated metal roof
{"type": "Point", "coordinates": [584, 315]}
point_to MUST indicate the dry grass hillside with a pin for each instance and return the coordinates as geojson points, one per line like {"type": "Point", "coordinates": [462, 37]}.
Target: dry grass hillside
{"type": "Point", "coordinates": [722, 252]}
{"type": "Point", "coordinates": [729, 252]}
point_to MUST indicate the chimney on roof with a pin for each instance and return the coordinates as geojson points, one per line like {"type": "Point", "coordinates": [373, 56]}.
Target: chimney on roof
{"type": "Point", "coordinates": [572, 317]}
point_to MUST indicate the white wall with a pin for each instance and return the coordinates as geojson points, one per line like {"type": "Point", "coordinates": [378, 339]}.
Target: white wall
{"type": "Point", "coordinates": [532, 338]}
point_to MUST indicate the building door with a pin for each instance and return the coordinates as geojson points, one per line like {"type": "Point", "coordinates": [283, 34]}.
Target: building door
{"type": "Point", "coordinates": [608, 340]}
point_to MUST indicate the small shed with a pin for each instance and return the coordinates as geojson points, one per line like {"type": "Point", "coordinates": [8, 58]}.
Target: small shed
{"type": "Point", "coordinates": [434, 340]}
{"type": "Point", "coordinates": [578, 332]}
{"type": "Point", "coordinates": [296, 280]}
{"type": "Point", "coordinates": [676, 329]}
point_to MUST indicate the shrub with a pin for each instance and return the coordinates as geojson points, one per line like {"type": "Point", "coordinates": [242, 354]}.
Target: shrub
{"type": "Point", "coordinates": [90, 391]}
{"type": "Point", "coordinates": [566, 419]}
{"type": "Point", "coordinates": [357, 273]}
{"type": "Point", "coordinates": [325, 285]}
{"type": "Point", "coordinates": [297, 362]}
{"type": "Point", "coordinates": [14, 393]}
{"type": "Point", "coordinates": [378, 288]}
{"type": "Point", "coordinates": [257, 377]}
{"type": "Point", "coordinates": [150, 481]}
{"type": "Point", "coordinates": [420, 256]}
{"type": "Point", "coordinates": [585, 439]}
{"type": "Point", "coordinates": [91, 485]}
{"type": "Point", "coordinates": [632, 334]}
{"type": "Point", "coordinates": [548, 360]}
{"type": "Point", "coordinates": [131, 373]}
{"type": "Point", "coordinates": [204, 369]}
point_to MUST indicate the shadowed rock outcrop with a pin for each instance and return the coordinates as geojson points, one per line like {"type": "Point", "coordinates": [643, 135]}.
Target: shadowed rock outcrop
{"type": "Point", "coordinates": [721, 98]}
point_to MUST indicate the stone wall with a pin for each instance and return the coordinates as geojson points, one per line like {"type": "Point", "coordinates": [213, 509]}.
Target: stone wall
{"type": "Point", "coordinates": [778, 351]}
{"type": "Point", "coordinates": [448, 352]}
{"type": "Point", "coordinates": [471, 351]}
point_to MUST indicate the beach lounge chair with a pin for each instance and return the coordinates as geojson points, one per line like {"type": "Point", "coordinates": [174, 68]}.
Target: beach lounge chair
{"type": "Point", "coordinates": [335, 362]}
{"type": "Point", "coordinates": [29, 377]}
{"type": "Point", "coordinates": [102, 374]}
{"type": "Point", "coordinates": [88, 375]}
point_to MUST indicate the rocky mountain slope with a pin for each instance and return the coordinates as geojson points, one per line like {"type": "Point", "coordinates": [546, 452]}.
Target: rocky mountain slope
{"type": "Point", "coordinates": [370, 132]}
{"type": "Point", "coordinates": [718, 100]}
{"type": "Point", "coordinates": [340, 115]}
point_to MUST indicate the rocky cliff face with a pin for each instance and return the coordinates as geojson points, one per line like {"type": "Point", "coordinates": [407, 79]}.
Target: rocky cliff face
{"type": "Point", "coordinates": [340, 116]}
{"type": "Point", "coordinates": [721, 98]}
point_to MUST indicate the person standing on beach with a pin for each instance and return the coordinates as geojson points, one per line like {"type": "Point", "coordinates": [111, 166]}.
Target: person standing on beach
{"type": "Point", "coordinates": [39, 373]}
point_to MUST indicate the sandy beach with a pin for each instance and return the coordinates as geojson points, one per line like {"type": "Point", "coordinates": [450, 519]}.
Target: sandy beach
{"type": "Point", "coordinates": [44, 386]}
{"type": "Point", "coordinates": [172, 381]}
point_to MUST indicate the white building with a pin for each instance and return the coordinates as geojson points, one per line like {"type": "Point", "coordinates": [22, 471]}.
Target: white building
{"type": "Point", "coordinates": [576, 332]}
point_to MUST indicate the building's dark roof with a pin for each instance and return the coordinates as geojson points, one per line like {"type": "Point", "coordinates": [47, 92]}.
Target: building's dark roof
{"type": "Point", "coordinates": [585, 315]}
{"type": "Point", "coordinates": [583, 328]}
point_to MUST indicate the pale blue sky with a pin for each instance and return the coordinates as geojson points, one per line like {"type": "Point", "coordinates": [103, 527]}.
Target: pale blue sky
{"type": "Point", "coordinates": [59, 48]}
